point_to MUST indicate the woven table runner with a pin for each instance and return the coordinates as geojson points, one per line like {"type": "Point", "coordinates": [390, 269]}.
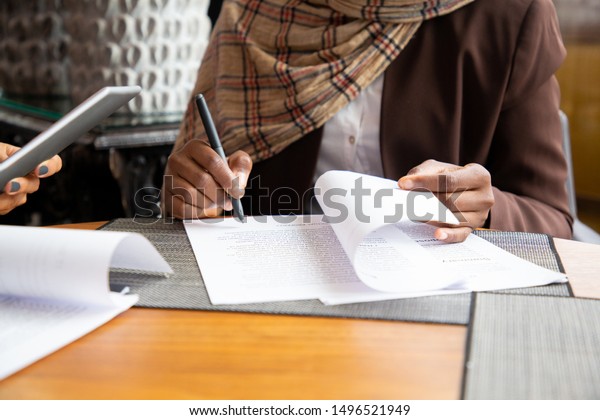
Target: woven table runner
{"type": "Point", "coordinates": [185, 288]}
{"type": "Point", "coordinates": [533, 347]}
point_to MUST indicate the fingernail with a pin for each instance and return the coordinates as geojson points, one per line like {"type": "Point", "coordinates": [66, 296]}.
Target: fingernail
{"type": "Point", "coordinates": [238, 185]}
{"type": "Point", "coordinates": [442, 236]}
{"type": "Point", "coordinates": [240, 181]}
{"type": "Point", "coordinates": [43, 170]}
{"type": "Point", "coordinates": [228, 206]}
{"type": "Point", "coordinates": [237, 192]}
{"type": "Point", "coordinates": [243, 179]}
{"type": "Point", "coordinates": [15, 186]}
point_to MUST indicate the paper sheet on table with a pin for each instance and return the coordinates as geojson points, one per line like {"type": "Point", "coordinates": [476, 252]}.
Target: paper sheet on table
{"type": "Point", "coordinates": [363, 211]}
{"type": "Point", "coordinates": [475, 264]}
{"type": "Point", "coordinates": [269, 258]}
{"type": "Point", "coordinates": [54, 287]}
{"type": "Point", "coordinates": [359, 255]}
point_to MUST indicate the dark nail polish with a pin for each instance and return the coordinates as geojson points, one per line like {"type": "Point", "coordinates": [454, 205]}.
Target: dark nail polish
{"type": "Point", "coordinates": [14, 186]}
{"type": "Point", "coordinates": [43, 170]}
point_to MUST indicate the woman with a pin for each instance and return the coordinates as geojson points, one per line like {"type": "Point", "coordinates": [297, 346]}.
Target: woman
{"type": "Point", "coordinates": [457, 97]}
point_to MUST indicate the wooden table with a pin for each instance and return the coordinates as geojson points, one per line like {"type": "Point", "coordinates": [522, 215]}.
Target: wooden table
{"type": "Point", "coordinates": [178, 354]}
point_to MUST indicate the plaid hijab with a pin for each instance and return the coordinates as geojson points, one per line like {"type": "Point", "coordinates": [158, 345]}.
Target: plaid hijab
{"type": "Point", "coordinates": [277, 69]}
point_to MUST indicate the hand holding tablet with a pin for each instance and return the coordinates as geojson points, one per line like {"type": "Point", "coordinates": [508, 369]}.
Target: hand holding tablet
{"type": "Point", "coordinates": [20, 170]}
{"type": "Point", "coordinates": [16, 190]}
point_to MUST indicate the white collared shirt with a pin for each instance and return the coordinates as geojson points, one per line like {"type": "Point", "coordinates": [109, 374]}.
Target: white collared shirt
{"type": "Point", "coordinates": [351, 138]}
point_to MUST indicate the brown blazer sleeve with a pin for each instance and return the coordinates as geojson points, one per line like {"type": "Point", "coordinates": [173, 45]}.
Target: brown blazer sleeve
{"type": "Point", "coordinates": [526, 157]}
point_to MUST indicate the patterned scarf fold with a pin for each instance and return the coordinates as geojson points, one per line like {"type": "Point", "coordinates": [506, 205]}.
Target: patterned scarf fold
{"type": "Point", "coordinates": [277, 69]}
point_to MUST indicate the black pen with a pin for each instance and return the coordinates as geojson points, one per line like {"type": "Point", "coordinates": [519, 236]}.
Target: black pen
{"type": "Point", "coordinates": [215, 143]}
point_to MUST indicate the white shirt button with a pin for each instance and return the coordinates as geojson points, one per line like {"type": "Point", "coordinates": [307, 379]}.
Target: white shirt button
{"type": "Point", "coordinates": [351, 137]}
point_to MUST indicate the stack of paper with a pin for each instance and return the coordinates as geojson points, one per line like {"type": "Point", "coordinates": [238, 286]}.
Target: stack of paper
{"type": "Point", "coordinates": [54, 287]}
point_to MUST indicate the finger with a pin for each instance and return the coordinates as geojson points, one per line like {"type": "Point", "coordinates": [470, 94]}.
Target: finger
{"type": "Point", "coordinates": [12, 187]}
{"type": "Point", "coordinates": [23, 185]}
{"type": "Point", "coordinates": [175, 205]}
{"type": "Point", "coordinates": [182, 210]}
{"type": "Point", "coordinates": [467, 219]}
{"type": "Point", "coordinates": [189, 194]}
{"type": "Point", "coordinates": [468, 201]}
{"type": "Point", "coordinates": [49, 167]}
{"type": "Point", "coordinates": [210, 160]}
{"type": "Point", "coordinates": [453, 235]}
{"type": "Point", "coordinates": [205, 184]}
{"type": "Point", "coordinates": [241, 166]}
{"type": "Point", "coordinates": [460, 179]}
{"type": "Point", "coordinates": [431, 166]}
{"type": "Point", "coordinates": [9, 202]}
{"type": "Point", "coordinates": [7, 150]}
{"type": "Point", "coordinates": [182, 167]}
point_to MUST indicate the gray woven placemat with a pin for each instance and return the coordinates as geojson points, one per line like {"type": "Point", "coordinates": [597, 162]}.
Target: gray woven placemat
{"type": "Point", "coordinates": [533, 347]}
{"type": "Point", "coordinates": [534, 247]}
{"type": "Point", "coordinates": [185, 289]}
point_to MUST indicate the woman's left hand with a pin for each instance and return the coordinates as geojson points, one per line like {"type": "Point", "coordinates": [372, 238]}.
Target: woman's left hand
{"type": "Point", "coordinates": [465, 190]}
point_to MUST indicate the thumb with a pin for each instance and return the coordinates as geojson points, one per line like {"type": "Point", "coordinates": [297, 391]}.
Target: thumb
{"type": "Point", "coordinates": [240, 164]}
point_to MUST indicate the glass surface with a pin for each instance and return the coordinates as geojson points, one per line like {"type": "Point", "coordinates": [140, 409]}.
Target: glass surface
{"type": "Point", "coordinates": [52, 108]}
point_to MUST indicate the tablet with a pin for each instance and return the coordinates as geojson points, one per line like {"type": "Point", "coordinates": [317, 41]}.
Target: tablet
{"type": "Point", "coordinates": [65, 131]}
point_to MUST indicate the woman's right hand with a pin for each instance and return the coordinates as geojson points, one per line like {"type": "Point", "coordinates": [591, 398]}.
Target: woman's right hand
{"type": "Point", "coordinates": [197, 181]}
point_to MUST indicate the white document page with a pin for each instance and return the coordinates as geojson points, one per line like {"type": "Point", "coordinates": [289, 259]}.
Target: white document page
{"type": "Point", "coordinates": [279, 258]}
{"type": "Point", "coordinates": [480, 265]}
{"type": "Point", "coordinates": [69, 264]}
{"type": "Point", "coordinates": [362, 210]}
{"type": "Point", "coordinates": [474, 264]}
{"type": "Point", "coordinates": [363, 252]}
{"type": "Point", "coordinates": [54, 287]}
{"type": "Point", "coordinates": [33, 328]}
{"type": "Point", "coordinates": [269, 258]}
{"type": "Point", "coordinates": [358, 204]}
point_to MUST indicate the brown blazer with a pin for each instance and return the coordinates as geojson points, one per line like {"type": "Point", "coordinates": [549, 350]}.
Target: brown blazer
{"type": "Point", "coordinates": [477, 86]}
